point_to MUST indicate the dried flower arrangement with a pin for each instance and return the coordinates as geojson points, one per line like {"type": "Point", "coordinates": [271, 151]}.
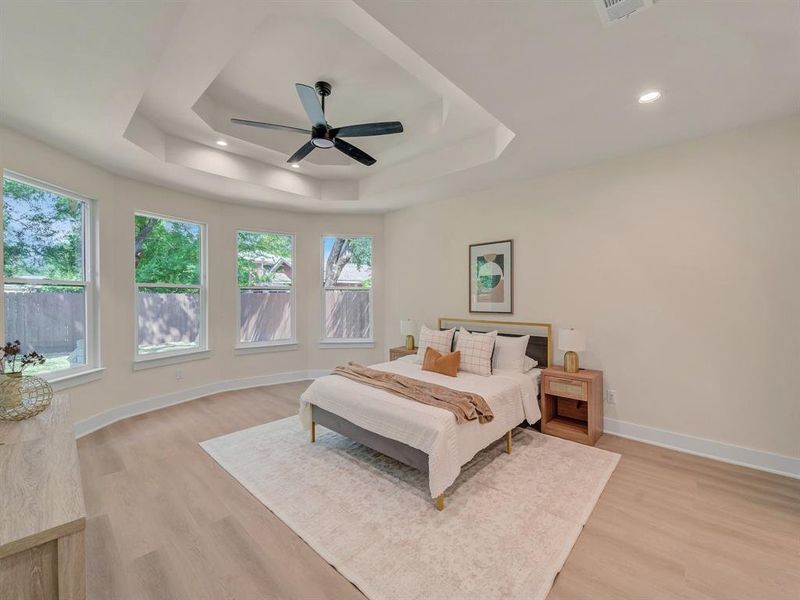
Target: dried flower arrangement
{"type": "Point", "coordinates": [12, 361]}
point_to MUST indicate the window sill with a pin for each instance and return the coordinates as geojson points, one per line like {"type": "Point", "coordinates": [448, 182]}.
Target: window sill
{"type": "Point", "coordinates": [154, 361]}
{"type": "Point", "coordinates": [246, 349]}
{"type": "Point", "coordinates": [347, 343]}
{"type": "Point", "coordinates": [67, 380]}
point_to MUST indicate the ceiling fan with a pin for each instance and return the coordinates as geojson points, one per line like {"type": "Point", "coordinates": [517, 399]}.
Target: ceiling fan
{"type": "Point", "coordinates": [322, 134]}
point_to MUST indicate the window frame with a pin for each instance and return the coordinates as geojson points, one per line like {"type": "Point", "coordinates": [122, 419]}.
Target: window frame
{"type": "Point", "coordinates": [326, 342]}
{"type": "Point", "coordinates": [141, 361]}
{"type": "Point", "coordinates": [276, 344]}
{"type": "Point", "coordinates": [90, 238]}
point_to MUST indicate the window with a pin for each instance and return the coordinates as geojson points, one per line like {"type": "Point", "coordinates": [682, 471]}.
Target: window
{"type": "Point", "coordinates": [346, 289]}
{"type": "Point", "coordinates": [265, 272]}
{"type": "Point", "coordinates": [48, 290]}
{"type": "Point", "coordinates": [169, 257]}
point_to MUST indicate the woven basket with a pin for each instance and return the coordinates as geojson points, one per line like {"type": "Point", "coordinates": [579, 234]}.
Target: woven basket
{"type": "Point", "coordinates": [22, 397]}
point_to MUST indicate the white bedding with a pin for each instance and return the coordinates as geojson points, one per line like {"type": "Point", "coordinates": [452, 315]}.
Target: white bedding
{"type": "Point", "coordinates": [511, 396]}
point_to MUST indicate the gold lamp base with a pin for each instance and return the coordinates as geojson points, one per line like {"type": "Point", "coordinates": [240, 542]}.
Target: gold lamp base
{"type": "Point", "coordinates": [409, 342]}
{"type": "Point", "coordinates": [571, 362]}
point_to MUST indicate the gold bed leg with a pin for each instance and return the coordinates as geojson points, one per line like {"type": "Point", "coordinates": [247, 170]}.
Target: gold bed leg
{"type": "Point", "coordinates": [440, 502]}
{"type": "Point", "coordinates": [313, 432]}
{"type": "Point", "coordinates": [508, 442]}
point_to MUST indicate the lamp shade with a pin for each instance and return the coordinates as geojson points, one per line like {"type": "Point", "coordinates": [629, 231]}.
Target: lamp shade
{"type": "Point", "coordinates": [571, 340]}
{"type": "Point", "coordinates": [408, 327]}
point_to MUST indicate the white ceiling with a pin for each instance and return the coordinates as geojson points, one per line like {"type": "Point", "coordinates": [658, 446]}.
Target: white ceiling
{"type": "Point", "coordinates": [488, 91]}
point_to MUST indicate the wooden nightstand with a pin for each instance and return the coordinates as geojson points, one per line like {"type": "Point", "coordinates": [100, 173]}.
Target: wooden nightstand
{"type": "Point", "coordinates": [572, 404]}
{"type": "Point", "coordinates": [400, 352]}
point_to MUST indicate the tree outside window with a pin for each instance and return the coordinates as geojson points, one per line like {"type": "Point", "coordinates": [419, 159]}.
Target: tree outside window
{"type": "Point", "coordinates": [347, 288]}
{"type": "Point", "coordinates": [265, 273]}
{"type": "Point", "coordinates": [170, 299]}
{"type": "Point", "coordinates": [47, 287]}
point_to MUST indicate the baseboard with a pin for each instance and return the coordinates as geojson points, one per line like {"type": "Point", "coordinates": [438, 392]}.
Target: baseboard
{"type": "Point", "coordinates": [737, 455]}
{"type": "Point", "coordinates": [142, 406]}
{"type": "Point", "coordinates": [746, 457]}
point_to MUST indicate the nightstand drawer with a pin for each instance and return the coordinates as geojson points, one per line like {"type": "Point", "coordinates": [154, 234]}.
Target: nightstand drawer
{"type": "Point", "coordinates": [566, 388]}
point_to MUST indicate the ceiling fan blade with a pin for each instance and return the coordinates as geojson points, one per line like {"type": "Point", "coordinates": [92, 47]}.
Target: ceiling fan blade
{"type": "Point", "coordinates": [366, 129]}
{"type": "Point", "coordinates": [308, 96]}
{"type": "Point", "coordinates": [353, 152]}
{"type": "Point", "coordinates": [305, 149]}
{"type": "Point", "coordinates": [270, 126]}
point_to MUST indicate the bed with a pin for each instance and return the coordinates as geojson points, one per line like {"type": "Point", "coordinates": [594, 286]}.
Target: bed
{"type": "Point", "coordinates": [426, 437]}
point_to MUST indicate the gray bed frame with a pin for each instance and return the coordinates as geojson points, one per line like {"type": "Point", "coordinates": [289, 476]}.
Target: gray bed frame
{"type": "Point", "coordinates": [538, 349]}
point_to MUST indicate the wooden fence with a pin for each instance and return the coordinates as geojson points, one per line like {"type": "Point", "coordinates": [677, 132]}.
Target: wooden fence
{"type": "Point", "coordinates": [54, 322]}
{"type": "Point", "coordinates": [347, 314]}
{"type": "Point", "coordinates": [48, 322]}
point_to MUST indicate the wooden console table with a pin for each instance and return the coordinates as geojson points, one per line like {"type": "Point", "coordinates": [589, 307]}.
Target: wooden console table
{"type": "Point", "coordinates": [42, 514]}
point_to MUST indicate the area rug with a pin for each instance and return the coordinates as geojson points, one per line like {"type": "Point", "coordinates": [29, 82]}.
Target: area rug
{"type": "Point", "coordinates": [507, 529]}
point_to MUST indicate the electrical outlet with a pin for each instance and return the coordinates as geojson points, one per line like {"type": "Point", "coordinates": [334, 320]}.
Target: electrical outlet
{"type": "Point", "coordinates": [178, 373]}
{"type": "Point", "coordinates": [611, 397]}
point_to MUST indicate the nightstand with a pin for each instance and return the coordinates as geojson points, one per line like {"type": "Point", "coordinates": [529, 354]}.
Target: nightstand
{"type": "Point", "coordinates": [400, 352]}
{"type": "Point", "coordinates": [572, 404]}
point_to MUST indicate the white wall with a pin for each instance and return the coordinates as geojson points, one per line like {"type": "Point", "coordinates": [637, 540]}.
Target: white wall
{"type": "Point", "coordinates": [681, 264]}
{"type": "Point", "coordinates": [117, 199]}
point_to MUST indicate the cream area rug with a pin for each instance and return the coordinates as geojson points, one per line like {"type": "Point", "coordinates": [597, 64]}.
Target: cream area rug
{"type": "Point", "coordinates": [509, 524]}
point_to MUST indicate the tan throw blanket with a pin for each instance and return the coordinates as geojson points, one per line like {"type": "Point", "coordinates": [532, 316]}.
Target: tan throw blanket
{"type": "Point", "coordinates": [466, 406]}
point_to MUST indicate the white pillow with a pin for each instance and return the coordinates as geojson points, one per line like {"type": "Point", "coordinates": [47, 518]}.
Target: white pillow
{"type": "Point", "coordinates": [530, 363]}
{"type": "Point", "coordinates": [441, 341]}
{"type": "Point", "coordinates": [509, 353]}
{"type": "Point", "coordinates": [476, 351]}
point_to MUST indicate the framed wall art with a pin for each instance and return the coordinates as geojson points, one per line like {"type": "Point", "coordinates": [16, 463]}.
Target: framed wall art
{"type": "Point", "coordinates": [491, 277]}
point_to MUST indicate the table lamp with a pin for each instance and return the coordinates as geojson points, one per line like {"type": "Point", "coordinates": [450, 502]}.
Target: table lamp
{"type": "Point", "coordinates": [408, 328]}
{"type": "Point", "coordinates": [571, 341]}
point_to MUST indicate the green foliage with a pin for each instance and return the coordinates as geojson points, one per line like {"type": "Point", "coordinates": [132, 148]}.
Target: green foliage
{"type": "Point", "coordinates": [41, 233]}
{"type": "Point", "coordinates": [253, 245]}
{"type": "Point", "coordinates": [361, 249]}
{"type": "Point", "coordinates": [342, 251]}
{"type": "Point", "coordinates": [167, 251]}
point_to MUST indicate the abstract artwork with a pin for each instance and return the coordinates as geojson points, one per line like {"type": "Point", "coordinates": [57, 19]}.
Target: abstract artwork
{"type": "Point", "coordinates": [490, 281]}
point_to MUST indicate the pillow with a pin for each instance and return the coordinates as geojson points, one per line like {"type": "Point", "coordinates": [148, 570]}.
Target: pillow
{"type": "Point", "coordinates": [530, 363]}
{"type": "Point", "coordinates": [509, 353]}
{"type": "Point", "coordinates": [446, 364]}
{"type": "Point", "coordinates": [476, 351]}
{"type": "Point", "coordinates": [441, 341]}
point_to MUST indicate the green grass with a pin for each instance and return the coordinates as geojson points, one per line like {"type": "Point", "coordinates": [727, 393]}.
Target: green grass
{"type": "Point", "coordinates": [54, 362]}
{"type": "Point", "coordinates": [168, 347]}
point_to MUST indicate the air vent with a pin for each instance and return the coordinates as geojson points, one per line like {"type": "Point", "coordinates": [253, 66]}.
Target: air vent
{"type": "Point", "coordinates": [612, 11]}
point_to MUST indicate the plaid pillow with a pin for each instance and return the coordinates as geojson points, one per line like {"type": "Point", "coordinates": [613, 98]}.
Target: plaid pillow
{"type": "Point", "coordinates": [476, 351]}
{"type": "Point", "coordinates": [441, 341]}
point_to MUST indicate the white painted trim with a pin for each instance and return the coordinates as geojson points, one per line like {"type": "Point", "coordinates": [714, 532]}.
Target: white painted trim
{"type": "Point", "coordinates": [142, 406]}
{"type": "Point", "coordinates": [163, 359]}
{"type": "Point", "coordinates": [257, 348]}
{"type": "Point", "coordinates": [62, 380]}
{"type": "Point", "coordinates": [746, 457]}
{"type": "Point", "coordinates": [737, 455]}
{"type": "Point", "coordinates": [345, 343]}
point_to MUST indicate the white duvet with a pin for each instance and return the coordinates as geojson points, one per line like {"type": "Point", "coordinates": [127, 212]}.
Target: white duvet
{"type": "Point", "coordinates": [511, 396]}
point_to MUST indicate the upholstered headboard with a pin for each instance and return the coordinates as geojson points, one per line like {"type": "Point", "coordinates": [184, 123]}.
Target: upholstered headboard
{"type": "Point", "coordinates": [539, 347]}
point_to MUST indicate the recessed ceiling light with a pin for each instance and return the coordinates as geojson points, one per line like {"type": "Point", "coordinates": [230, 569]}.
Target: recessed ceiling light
{"type": "Point", "coordinates": [222, 143]}
{"type": "Point", "coordinates": [649, 97]}
{"type": "Point", "coordinates": [295, 166]}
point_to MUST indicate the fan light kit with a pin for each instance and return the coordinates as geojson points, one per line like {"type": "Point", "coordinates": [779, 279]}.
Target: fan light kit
{"type": "Point", "coordinates": [324, 136]}
{"type": "Point", "coordinates": [649, 97]}
{"type": "Point", "coordinates": [222, 143]}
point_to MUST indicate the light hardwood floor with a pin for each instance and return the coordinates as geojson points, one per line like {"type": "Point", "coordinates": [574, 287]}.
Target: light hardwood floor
{"type": "Point", "coordinates": [165, 521]}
